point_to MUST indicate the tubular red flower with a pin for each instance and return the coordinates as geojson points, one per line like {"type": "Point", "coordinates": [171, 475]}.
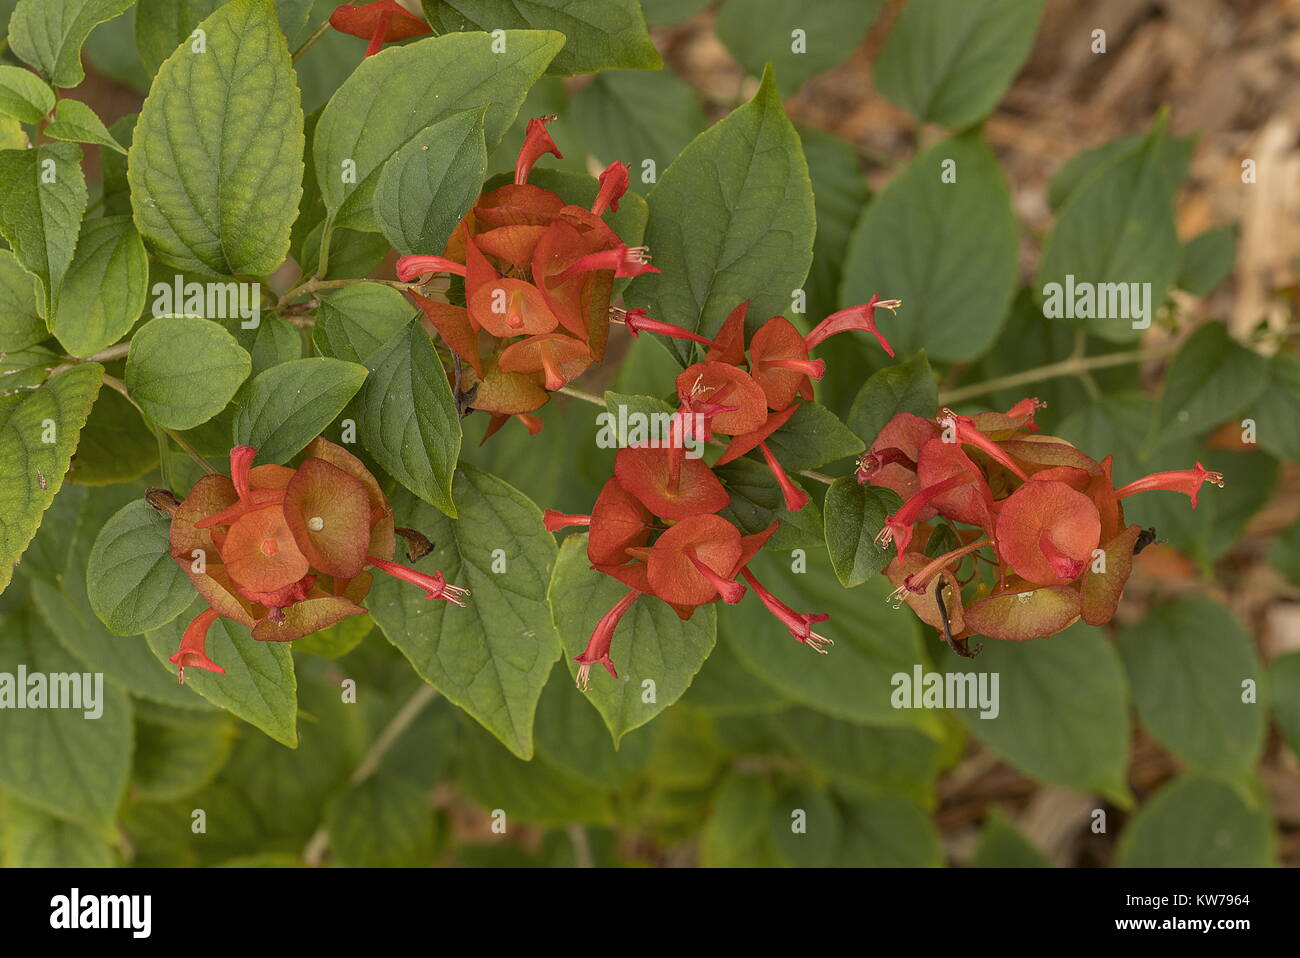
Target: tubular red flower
{"type": "Point", "coordinates": [624, 260]}
{"type": "Point", "coordinates": [409, 267]}
{"type": "Point", "coordinates": [870, 463]}
{"type": "Point", "coordinates": [1186, 481]}
{"type": "Point", "coordinates": [380, 22]}
{"type": "Point", "coordinates": [597, 650]}
{"type": "Point", "coordinates": [555, 521]}
{"type": "Point", "coordinates": [730, 590]}
{"type": "Point", "coordinates": [798, 623]}
{"type": "Point", "coordinates": [968, 435]}
{"type": "Point", "coordinates": [191, 654]}
{"type": "Point", "coordinates": [537, 143]}
{"type": "Point", "coordinates": [918, 580]}
{"type": "Point", "coordinates": [795, 498]}
{"type": "Point", "coordinates": [861, 317]}
{"type": "Point", "coordinates": [637, 322]}
{"type": "Point", "coordinates": [434, 586]}
{"type": "Point", "coordinates": [613, 184]}
{"type": "Point", "coordinates": [898, 527]}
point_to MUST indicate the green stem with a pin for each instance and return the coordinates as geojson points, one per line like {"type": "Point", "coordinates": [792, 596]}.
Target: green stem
{"type": "Point", "coordinates": [311, 40]}
{"type": "Point", "coordinates": [316, 285]}
{"type": "Point", "coordinates": [1073, 366]}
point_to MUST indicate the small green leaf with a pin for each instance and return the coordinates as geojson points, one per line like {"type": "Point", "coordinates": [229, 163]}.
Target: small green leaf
{"type": "Point", "coordinates": [60, 759]}
{"type": "Point", "coordinates": [355, 321]}
{"type": "Point", "coordinates": [1003, 846]}
{"type": "Point", "coordinates": [383, 822]}
{"type": "Point", "coordinates": [21, 324]}
{"type": "Point", "coordinates": [855, 514]}
{"type": "Point", "coordinates": [908, 386]}
{"type": "Point", "coordinates": [48, 34]}
{"type": "Point", "coordinates": [1194, 822]}
{"type": "Point", "coordinates": [45, 197]}
{"type": "Point", "coordinates": [182, 372]}
{"type": "Point", "coordinates": [23, 95]}
{"type": "Point", "coordinates": [216, 159]}
{"type": "Point", "coordinates": [1115, 230]}
{"type": "Point", "coordinates": [651, 644]}
{"type": "Point", "coordinates": [407, 417]}
{"type": "Point", "coordinates": [390, 98]}
{"type": "Point", "coordinates": [135, 584]}
{"type": "Point", "coordinates": [1277, 409]}
{"type": "Point", "coordinates": [1207, 260]}
{"type": "Point", "coordinates": [601, 34]}
{"type": "Point", "coordinates": [258, 686]}
{"type": "Point", "coordinates": [950, 61]}
{"type": "Point", "coordinates": [668, 116]}
{"type": "Point", "coordinates": [31, 468]}
{"type": "Point", "coordinates": [1062, 709]}
{"type": "Point", "coordinates": [493, 657]}
{"type": "Point", "coordinates": [731, 220]}
{"type": "Point", "coordinates": [942, 238]}
{"type": "Point", "coordinates": [289, 405]}
{"type": "Point", "coordinates": [758, 32]}
{"type": "Point", "coordinates": [104, 289]}
{"type": "Point", "coordinates": [77, 123]}
{"type": "Point", "coordinates": [1188, 662]}
{"type": "Point", "coordinates": [1211, 379]}
{"type": "Point", "coordinates": [430, 183]}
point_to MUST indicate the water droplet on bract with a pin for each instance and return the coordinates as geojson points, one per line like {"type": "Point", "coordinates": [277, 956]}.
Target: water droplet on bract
{"type": "Point", "coordinates": [315, 523]}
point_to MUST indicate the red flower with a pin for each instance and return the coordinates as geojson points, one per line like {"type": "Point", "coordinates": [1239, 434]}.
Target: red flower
{"type": "Point", "coordinates": [382, 21]}
{"type": "Point", "coordinates": [283, 551]}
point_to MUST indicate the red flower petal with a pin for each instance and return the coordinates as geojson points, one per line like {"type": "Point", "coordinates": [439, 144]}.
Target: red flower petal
{"type": "Point", "coordinates": [779, 361]}
{"type": "Point", "coordinates": [260, 552]}
{"type": "Point", "coordinates": [1046, 532]}
{"type": "Point", "coordinates": [692, 562]}
{"type": "Point", "coordinates": [328, 513]}
{"type": "Point", "coordinates": [730, 342]}
{"type": "Point", "coordinates": [618, 521]}
{"type": "Point", "coordinates": [722, 384]}
{"type": "Point", "coordinates": [644, 472]}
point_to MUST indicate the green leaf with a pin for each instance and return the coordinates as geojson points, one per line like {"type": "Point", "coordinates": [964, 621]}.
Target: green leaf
{"type": "Point", "coordinates": [355, 321]}
{"type": "Point", "coordinates": [813, 437]}
{"type": "Point", "coordinates": [32, 839]}
{"type": "Point", "coordinates": [45, 197]}
{"type": "Point", "coordinates": [1211, 379]}
{"type": "Point", "coordinates": [1207, 260]}
{"type": "Point", "coordinates": [77, 123]}
{"type": "Point", "coordinates": [162, 25]}
{"type": "Point", "coordinates": [135, 585]}
{"type": "Point", "coordinates": [104, 289]}
{"type": "Point", "coordinates": [730, 220]}
{"type": "Point", "coordinates": [662, 13]}
{"type": "Point", "coordinates": [23, 95]}
{"type": "Point", "coordinates": [1062, 712]}
{"type": "Point", "coordinates": [493, 657]}
{"type": "Point", "coordinates": [60, 759]}
{"type": "Point", "coordinates": [1284, 683]}
{"type": "Point", "coordinates": [1187, 662]}
{"type": "Point", "coordinates": [216, 160]}
{"type": "Point", "coordinates": [1080, 167]}
{"type": "Point", "coordinates": [48, 34]}
{"type": "Point", "coordinates": [841, 192]}
{"type": "Point", "coordinates": [184, 371]}
{"type": "Point", "coordinates": [738, 832]}
{"type": "Point", "coordinates": [652, 645]}
{"type": "Point", "coordinates": [725, 687]}
{"type": "Point", "coordinates": [393, 96]}
{"type": "Point", "coordinates": [757, 502]}
{"type": "Point", "coordinates": [1115, 229]}
{"type": "Point", "coordinates": [21, 324]}
{"type": "Point", "coordinates": [383, 822]}
{"type": "Point", "coordinates": [431, 183]}
{"type": "Point", "coordinates": [31, 468]}
{"type": "Point", "coordinates": [536, 791]}
{"type": "Point", "coordinates": [758, 32]}
{"type": "Point", "coordinates": [289, 405]}
{"type": "Point", "coordinates": [874, 759]}
{"type": "Point", "coordinates": [407, 418]}
{"type": "Point", "coordinates": [908, 386]}
{"type": "Point", "coordinates": [805, 827]}
{"type": "Point", "coordinates": [602, 34]}
{"type": "Point", "coordinates": [950, 61]}
{"type": "Point", "coordinates": [855, 514]}
{"type": "Point", "coordinates": [258, 686]}
{"type": "Point", "coordinates": [1003, 846]}
{"type": "Point", "coordinates": [888, 832]}
{"type": "Point", "coordinates": [571, 736]}
{"type": "Point", "coordinates": [639, 117]}
{"type": "Point", "coordinates": [1277, 409]}
{"type": "Point", "coordinates": [177, 752]}
{"type": "Point", "coordinates": [872, 642]}
{"type": "Point", "coordinates": [947, 249]}
{"type": "Point", "coordinates": [1194, 822]}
